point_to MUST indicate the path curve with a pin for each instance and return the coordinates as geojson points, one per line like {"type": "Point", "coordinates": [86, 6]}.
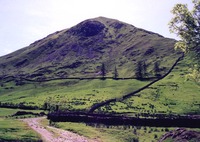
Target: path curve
{"type": "Point", "coordinates": [52, 134]}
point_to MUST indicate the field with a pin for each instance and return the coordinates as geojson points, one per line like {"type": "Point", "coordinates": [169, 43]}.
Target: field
{"type": "Point", "coordinates": [175, 94]}
{"type": "Point", "coordinates": [114, 133]}
{"type": "Point", "coordinates": [14, 129]}
{"type": "Point", "coordinates": [68, 94]}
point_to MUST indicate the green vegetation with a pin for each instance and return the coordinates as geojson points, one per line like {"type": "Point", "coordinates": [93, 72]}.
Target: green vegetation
{"type": "Point", "coordinates": [14, 129]}
{"type": "Point", "coordinates": [69, 94]}
{"type": "Point", "coordinates": [103, 134]}
{"type": "Point", "coordinates": [6, 112]}
{"type": "Point", "coordinates": [175, 94]}
{"type": "Point", "coordinates": [111, 49]}
{"type": "Point", "coordinates": [186, 24]}
{"type": "Point", "coordinates": [113, 133]}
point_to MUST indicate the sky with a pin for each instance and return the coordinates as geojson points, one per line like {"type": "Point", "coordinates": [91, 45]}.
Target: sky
{"type": "Point", "coordinates": [24, 21]}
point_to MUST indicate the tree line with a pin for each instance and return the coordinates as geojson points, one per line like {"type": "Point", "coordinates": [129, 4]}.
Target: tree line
{"type": "Point", "coordinates": [140, 70]}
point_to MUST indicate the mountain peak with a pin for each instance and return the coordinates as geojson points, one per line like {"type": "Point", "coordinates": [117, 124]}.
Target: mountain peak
{"type": "Point", "coordinates": [80, 51]}
{"type": "Point", "coordinates": [87, 28]}
{"type": "Point", "coordinates": [94, 26]}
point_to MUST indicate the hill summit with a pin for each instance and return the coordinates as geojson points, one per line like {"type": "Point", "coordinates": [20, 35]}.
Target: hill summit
{"type": "Point", "coordinates": [81, 50]}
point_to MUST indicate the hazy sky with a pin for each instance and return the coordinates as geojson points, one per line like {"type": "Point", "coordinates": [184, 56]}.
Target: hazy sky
{"type": "Point", "coordinates": [24, 21]}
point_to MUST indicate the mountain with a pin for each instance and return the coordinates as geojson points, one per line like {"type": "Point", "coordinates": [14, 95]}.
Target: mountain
{"type": "Point", "coordinates": [81, 50]}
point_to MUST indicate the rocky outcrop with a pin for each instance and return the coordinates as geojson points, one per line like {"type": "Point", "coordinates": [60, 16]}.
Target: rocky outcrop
{"type": "Point", "coordinates": [87, 28]}
{"type": "Point", "coordinates": [181, 135]}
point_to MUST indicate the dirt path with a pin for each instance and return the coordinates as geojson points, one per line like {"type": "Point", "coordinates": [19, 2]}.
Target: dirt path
{"type": "Point", "coordinates": [51, 134]}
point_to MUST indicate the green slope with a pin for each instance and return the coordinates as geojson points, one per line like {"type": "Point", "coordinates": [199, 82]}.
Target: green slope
{"type": "Point", "coordinates": [175, 94]}
{"type": "Point", "coordinates": [69, 94]}
{"type": "Point", "coordinates": [79, 52]}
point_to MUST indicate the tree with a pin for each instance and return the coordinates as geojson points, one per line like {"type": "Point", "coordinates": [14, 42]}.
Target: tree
{"type": "Point", "coordinates": [186, 24]}
{"type": "Point", "coordinates": [103, 70]}
{"type": "Point", "coordinates": [144, 67]}
{"type": "Point", "coordinates": [194, 74]}
{"type": "Point", "coordinates": [140, 70]}
{"type": "Point", "coordinates": [156, 69]}
{"type": "Point", "coordinates": [115, 73]}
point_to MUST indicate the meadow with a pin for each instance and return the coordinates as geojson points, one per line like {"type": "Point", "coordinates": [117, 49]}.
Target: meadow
{"type": "Point", "coordinates": [175, 94]}
{"type": "Point", "coordinates": [68, 94]}
{"type": "Point", "coordinates": [14, 129]}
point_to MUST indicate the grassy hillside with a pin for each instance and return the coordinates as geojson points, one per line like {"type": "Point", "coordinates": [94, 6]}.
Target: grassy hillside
{"type": "Point", "coordinates": [175, 94]}
{"type": "Point", "coordinates": [69, 94]}
{"type": "Point", "coordinates": [80, 52]}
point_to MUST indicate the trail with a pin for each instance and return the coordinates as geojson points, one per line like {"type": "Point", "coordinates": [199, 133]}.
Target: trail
{"type": "Point", "coordinates": [51, 134]}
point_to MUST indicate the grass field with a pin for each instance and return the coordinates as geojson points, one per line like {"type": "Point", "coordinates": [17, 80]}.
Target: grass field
{"type": "Point", "coordinates": [14, 129]}
{"type": "Point", "coordinates": [6, 112]}
{"type": "Point", "coordinates": [174, 94]}
{"type": "Point", "coordinates": [114, 133]}
{"type": "Point", "coordinates": [70, 94]}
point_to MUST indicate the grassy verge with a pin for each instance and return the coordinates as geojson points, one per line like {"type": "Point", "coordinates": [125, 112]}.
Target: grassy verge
{"type": "Point", "coordinates": [116, 133]}
{"type": "Point", "coordinates": [113, 133]}
{"type": "Point", "coordinates": [7, 112]}
{"type": "Point", "coordinates": [101, 134]}
{"type": "Point", "coordinates": [16, 130]}
{"type": "Point", "coordinates": [13, 129]}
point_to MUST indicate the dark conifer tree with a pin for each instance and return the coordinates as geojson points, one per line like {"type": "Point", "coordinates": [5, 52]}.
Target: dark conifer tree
{"type": "Point", "coordinates": [141, 70]}
{"type": "Point", "coordinates": [103, 71]}
{"type": "Point", "coordinates": [156, 69]}
{"type": "Point", "coordinates": [115, 73]}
